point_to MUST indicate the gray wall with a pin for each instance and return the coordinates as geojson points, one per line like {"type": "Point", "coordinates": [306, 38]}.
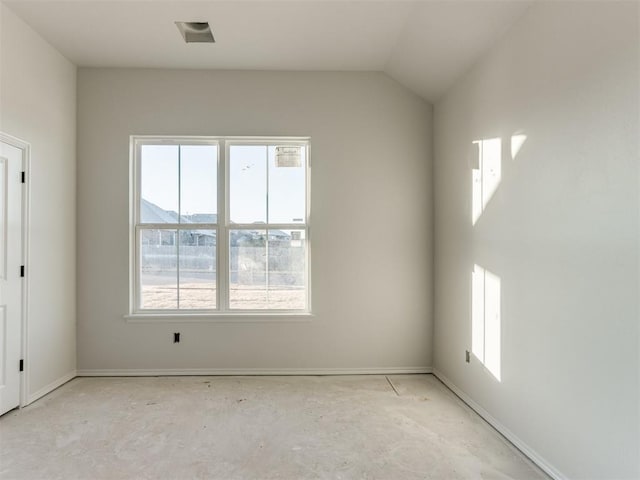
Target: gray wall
{"type": "Point", "coordinates": [371, 222]}
{"type": "Point", "coordinates": [38, 105]}
{"type": "Point", "coordinates": [561, 232]}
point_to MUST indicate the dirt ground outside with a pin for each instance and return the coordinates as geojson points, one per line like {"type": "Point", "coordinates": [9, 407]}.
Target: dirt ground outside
{"type": "Point", "coordinates": [196, 296]}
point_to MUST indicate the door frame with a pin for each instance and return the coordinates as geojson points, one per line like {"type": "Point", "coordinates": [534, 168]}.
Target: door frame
{"type": "Point", "coordinates": [25, 147]}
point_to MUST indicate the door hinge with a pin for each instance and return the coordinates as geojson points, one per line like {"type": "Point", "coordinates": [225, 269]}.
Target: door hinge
{"type": "Point", "coordinates": [22, 270]}
{"type": "Point", "coordinates": [21, 365]}
{"type": "Point", "coordinates": [22, 177]}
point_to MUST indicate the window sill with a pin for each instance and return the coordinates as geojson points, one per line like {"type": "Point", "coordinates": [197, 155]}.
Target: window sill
{"type": "Point", "coordinates": [227, 317]}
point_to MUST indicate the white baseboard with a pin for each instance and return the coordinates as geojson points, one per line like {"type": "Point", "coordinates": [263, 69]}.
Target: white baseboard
{"type": "Point", "coordinates": [51, 387]}
{"type": "Point", "coordinates": [160, 372]}
{"type": "Point", "coordinates": [508, 434]}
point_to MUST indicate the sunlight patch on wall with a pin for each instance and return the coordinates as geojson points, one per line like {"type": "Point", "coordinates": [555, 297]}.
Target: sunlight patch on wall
{"type": "Point", "coordinates": [516, 144]}
{"type": "Point", "coordinates": [487, 173]}
{"type": "Point", "coordinates": [486, 320]}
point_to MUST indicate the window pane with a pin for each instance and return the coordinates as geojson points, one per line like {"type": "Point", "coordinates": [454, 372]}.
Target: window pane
{"type": "Point", "coordinates": [287, 269]}
{"type": "Point", "coordinates": [248, 269]}
{"type": "Point", "coordinates": [159, 184]}
{"type": "Point", "coordinates": [197, 269]}
{"type": "Point", "coordinates": [287, 184]}
{"type": "Point", "coordinates": [158, 272]}
{"type": "Point", "coordinates": [248, 184]}
{"type": "Point", "coordinates": [198, 183]}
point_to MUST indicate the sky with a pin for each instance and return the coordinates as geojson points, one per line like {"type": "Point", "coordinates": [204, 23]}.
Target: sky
{"type": "Point", "coordinates": [251, 169]}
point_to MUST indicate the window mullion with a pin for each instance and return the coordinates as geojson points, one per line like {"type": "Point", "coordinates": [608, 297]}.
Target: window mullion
{"type": "Point", "coordinates": [266, 273]}
{"type": "Point", "coordinates": [178, 230]}
{"type": "Point", "coordinates": [223, 222]}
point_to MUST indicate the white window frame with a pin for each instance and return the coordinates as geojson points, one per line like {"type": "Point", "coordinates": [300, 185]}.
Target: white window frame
{"type": "Point", "coordinates": [222, 228]}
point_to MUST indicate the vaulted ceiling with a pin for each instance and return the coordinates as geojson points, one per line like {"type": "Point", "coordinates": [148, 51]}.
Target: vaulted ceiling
{"type": "Point", "coordinates": [425, 45]}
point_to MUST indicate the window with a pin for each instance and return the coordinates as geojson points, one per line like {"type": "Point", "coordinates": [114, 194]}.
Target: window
{"type": "Point", "coordinates": [219, 225]}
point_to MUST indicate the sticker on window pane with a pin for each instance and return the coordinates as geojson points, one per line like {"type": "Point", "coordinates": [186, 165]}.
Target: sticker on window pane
{"type": "Point", "coordinates": [199, 184]}
{"type": "Point", "coordinates": [287, 202]}
{"type": "Point", "coordinates": [248, 269]}
{"type": "Point", "coordinates": [159, 184]}
{"type": "Point", "coordinates": [248, 183]}
{"type": "Point", "coordinates": [158, 269]}
{"type": "Point", "coordinates": [197, 270]}
{"type": "Point", "coordinates": [287, 157]}
{"type": "Point", "coordinates": [286, 274]}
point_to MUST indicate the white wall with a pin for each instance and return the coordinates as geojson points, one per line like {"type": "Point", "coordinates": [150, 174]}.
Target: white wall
{"type": "Point", "coordinates": [38, 105]}
{"type": "Point", "coordinates": [371, 222]}
{"type": "Point", "coordinates": [561, 232]}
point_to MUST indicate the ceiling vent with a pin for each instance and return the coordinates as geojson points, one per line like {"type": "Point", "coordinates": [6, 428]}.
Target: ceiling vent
{"type": "Point", "coordinates": [196, 32]}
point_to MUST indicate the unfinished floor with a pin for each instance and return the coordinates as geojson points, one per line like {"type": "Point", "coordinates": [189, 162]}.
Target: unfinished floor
{"type": "Point", "coordinates": [339, 427]}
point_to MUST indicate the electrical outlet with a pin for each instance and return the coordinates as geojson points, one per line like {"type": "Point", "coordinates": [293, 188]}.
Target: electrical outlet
{"type": "Point", "coordinates": [467, 356]}
{"type": "Point", "coordinates": [176, 337]}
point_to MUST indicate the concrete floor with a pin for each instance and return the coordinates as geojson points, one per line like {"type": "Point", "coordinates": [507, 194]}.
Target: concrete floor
{"type": "Point", "coordinates": [340, 427]}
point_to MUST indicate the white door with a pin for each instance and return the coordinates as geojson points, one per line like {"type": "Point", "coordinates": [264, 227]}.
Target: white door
{"type": "Point", "coordinates": [10, 275]}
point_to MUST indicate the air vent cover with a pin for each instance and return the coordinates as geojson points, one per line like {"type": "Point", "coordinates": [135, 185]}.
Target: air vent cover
{"type": "Point", "coordinates": [196, 32]}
